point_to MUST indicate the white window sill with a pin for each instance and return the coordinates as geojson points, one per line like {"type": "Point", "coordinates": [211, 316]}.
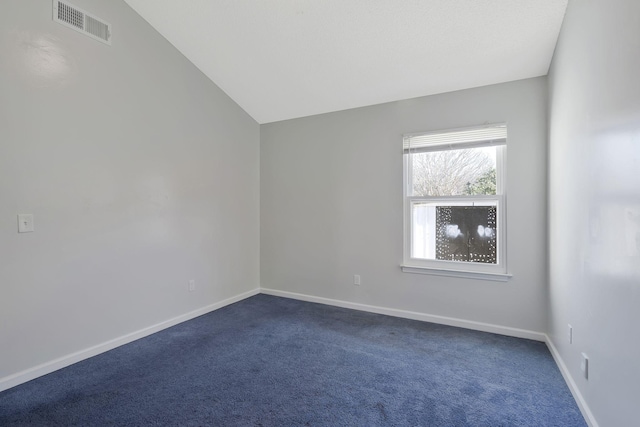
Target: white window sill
{"type": "Point", "coordinates": [479, 275]}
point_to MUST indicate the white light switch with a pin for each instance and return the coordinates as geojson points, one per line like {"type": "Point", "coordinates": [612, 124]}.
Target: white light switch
{"type": "Point", "coordinates": [25, 223]}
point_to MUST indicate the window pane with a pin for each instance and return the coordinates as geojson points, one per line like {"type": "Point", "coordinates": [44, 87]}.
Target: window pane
{"type": "Point", "coordinates": [454, 232]}
{"type": "Point", "coordinates": [469, 171]}
{"type": "Point", "coordinates": [423, 242]}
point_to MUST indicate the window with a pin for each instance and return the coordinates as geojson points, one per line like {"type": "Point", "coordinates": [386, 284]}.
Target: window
{"type": "Point", "coordinates": [454, 202]}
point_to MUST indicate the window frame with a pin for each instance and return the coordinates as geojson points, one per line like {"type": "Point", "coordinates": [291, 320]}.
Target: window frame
{"type": "Point", "coordinates": [496, 272]}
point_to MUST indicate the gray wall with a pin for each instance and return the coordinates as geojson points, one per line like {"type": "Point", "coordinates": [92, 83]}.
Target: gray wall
{"type": "Point", "coordinates": [331, 206]}
{"type": "Point", "coordinates": [141, 174]}
{"type": "Point", "coordinates": [594, 209]}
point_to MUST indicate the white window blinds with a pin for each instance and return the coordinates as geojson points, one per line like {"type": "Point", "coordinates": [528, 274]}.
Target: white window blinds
{"type": "Point", "coordinates": [489, 135]}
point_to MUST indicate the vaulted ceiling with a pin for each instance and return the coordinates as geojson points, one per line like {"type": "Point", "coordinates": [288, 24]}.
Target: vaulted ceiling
{"type": "Point", "coordinates": [283, 59]}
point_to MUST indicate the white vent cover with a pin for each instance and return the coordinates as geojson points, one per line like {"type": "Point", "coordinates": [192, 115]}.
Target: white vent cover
{"type": "Point", "coordinates": [76, 18]}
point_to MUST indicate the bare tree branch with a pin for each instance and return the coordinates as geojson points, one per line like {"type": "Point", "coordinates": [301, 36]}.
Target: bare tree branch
{"type": "Point", "coordinates": [450, 173]}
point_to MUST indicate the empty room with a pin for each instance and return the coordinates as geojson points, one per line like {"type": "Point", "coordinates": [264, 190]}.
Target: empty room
{"type": "Point", "coordinates": [319, 212]}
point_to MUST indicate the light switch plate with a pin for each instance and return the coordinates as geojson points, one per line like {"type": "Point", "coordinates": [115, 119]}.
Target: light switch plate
{"type": "Point", "coordinates": [25, 223]}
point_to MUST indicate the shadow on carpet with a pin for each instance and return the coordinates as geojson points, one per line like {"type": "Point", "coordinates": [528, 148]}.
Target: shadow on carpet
{"type": "Point", "coordinates": [269, 361]}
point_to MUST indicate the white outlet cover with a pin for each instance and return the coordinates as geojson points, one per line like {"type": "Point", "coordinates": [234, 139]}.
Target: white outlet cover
{"type": "Point", "coordinates": [25, 223]}
{"type": "Point", "coordinates": [584, 366]}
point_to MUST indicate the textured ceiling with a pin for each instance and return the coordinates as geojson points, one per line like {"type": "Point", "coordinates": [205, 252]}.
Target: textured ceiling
{"type": "Point", "coordinates": [282, 59]}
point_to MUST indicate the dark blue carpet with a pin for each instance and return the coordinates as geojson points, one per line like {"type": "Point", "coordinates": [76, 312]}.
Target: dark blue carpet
{"type": "Point", "coordinates": [269, 361]}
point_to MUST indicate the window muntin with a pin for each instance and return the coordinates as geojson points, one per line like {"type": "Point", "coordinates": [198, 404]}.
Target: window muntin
{"type": "Point", "coordinates": [454, 199]}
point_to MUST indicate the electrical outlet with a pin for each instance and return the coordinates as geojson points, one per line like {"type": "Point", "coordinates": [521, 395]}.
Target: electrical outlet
{"type": "Point", "coordinates": [356, 279]}
{"type": "Point", "coordinates": [192, 285]}
{"type": "Point", "coordinates": [584, 366]}
{"type": "Point", "coordinates": [25, 223]}
{"type": "Point", "coordinates": [570, 334]}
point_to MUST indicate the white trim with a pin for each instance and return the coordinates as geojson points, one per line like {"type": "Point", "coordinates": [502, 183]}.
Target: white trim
{"type": "Point", "coordinates": [573, 387]}
{"type": "Point", "coordinates": [442, 320]}
{"type": "Point", "coordinates": [70, 359]}
{"type": "Point", "coordinates": [479, 275]}
{"type": "Point", "coordinates": [500, 268]}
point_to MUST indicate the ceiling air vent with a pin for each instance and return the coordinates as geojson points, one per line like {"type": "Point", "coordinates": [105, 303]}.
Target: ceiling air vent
{"type": "Point", "coordinates": [76, 18]}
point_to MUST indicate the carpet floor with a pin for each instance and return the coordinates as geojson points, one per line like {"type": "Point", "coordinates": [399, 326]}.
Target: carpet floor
{"type": "Point", "coordinates": [269, 361]}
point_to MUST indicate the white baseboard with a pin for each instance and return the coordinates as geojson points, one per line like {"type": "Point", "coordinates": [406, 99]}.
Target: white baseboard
{"type": "Point", "coordinates": [573, 387]}
{"type": "Point", "coordinates": [451, 321]}
{"type": "Point", "coordinates": [54, 365]}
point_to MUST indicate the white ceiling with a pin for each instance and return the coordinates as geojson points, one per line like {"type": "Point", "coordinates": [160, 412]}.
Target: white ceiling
{"type": "Point", "coordinates": [282, 59]}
